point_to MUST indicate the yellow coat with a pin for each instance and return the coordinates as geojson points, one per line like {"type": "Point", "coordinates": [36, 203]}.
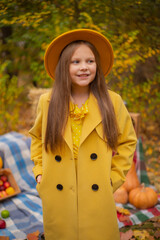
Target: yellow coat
{"type": "Point", "coordinates": [81, 207]}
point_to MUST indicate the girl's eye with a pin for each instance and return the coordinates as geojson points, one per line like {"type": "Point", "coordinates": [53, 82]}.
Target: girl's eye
{"type": "Point", "coordinates": [90, 61]}
{"type": "Point", "coordinates": [75, 61]}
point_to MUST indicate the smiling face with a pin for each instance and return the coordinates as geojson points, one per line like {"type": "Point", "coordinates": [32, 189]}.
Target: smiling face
{"type": "Point", "coordinates": [82, 68]}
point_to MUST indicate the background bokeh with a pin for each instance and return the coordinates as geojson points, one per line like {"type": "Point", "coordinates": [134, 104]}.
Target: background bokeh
{"type": "Point", "coordinates": [132, 26]}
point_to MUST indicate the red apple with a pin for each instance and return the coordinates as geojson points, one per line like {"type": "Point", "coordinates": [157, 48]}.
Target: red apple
{"type": "Point", "coordinates": [2, 188]}
{"type": "Point", "coordinates": [6, 184]}
{"type": "Point", "coordinates": [2, 224]}
{"type": "Point", "coordinates": [4, 178]}
{"type": "Point", "coordinates": [1, 182]}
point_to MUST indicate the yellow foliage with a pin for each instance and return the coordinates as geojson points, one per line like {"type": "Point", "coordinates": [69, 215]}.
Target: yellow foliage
{"type": "Point", "coordinates": [149, 151]}
{"type": "Point", "coordinates": [141, 234]}
{"type": "Point", "coordinates": [123, 210]}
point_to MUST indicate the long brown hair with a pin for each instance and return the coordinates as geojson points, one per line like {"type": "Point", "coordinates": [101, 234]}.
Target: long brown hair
{"type": "Point", "coordinates": [59, 104]}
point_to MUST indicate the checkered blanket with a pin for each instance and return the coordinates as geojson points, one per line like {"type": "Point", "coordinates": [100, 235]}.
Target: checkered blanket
{"type": "Point", "coordinates": [26, 209]}
{"type": "Point", "coordinates": [138, 216]}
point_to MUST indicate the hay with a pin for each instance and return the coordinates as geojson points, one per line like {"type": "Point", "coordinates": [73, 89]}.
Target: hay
{"type": "Point", "coordinates": [33, 96]}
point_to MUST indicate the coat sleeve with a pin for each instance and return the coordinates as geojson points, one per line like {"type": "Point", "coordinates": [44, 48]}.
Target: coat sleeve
{"type": "Point", "coordinates": [122, 160]}
{"type": "Point", "coordinates": [36, 141]}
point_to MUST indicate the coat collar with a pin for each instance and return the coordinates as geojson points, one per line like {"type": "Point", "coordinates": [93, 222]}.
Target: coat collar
{"type": "Point", "coordinates": [68, 135]}
{"type": "Point", "coordinates": [92, 119]}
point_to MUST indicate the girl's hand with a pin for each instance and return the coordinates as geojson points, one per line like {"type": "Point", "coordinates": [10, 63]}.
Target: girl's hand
{"type": "Point", "coordinates": [38, 179]}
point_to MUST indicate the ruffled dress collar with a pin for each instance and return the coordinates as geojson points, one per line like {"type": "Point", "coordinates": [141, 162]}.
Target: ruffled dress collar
{"type": "Point", "coordinates": [78, 113]}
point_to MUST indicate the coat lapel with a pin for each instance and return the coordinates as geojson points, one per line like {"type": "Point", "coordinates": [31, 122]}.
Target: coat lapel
{"type": "Point", "coordinates": [92, 119]}
{"type": "Point", "coordinates": [68, 134]}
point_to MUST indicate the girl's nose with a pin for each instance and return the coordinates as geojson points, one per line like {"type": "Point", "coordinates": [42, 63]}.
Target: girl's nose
{"type": "Point", "coordinates": [83, 67]}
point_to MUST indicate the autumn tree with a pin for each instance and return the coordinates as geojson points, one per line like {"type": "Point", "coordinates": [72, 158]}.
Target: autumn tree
{"type": "Point", "coordinates": [132, 26]}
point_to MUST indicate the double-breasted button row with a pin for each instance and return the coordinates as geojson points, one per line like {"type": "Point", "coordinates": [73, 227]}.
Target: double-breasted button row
{"type": "Point", "coordinates": [93, 156]}
{"type": "Point", "coordinates": [95, 187]}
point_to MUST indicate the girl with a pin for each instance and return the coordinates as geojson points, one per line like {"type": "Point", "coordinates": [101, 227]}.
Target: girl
{"type": "Point", "coordinates": [78, 126]}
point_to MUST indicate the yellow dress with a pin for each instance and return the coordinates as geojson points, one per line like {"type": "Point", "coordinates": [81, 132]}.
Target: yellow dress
{"type": "Point", "coordinates": [77, 116]}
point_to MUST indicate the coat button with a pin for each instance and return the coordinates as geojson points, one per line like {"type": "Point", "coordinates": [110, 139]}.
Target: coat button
{"type": "Point", "coordinates": [95, 187]}
{"type": "Point", "coordinates": [58, 158]}
{"type": "Point", "coordinates": [93, 156]}
{"type": "Point", "coordinates": [59, 187]}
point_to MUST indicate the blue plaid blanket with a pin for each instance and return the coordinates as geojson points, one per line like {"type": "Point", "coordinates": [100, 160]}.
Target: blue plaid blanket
{"type": "Point", "coordinates": [26, 208]}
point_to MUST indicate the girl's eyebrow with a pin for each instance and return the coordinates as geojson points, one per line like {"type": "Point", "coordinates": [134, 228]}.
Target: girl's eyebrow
{"type": "Point", "coordinates": [77, 58]}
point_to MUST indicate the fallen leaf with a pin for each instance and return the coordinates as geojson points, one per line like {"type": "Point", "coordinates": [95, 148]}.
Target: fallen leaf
{"type": "Point", "coordinates": [149, 151]}
{"type": "Point", "coordinates": [157, 234]}
{"type": "Point", "coordinates": [127, 235]}
{"type": "Point", "coordinates": [33, 236]}
{"type": "Point", "coordinates": [123, 211]}
{"type": "Point", "coordinates": [151, 238]}
{"type": "Point", "coordinates": [156, 224]}
{"type": "Point", "coordinates": [123, 218]}
{"type": "Point", "coordinates": [155, 219]}
{"type": "Point", "coordinates": [143, 234]}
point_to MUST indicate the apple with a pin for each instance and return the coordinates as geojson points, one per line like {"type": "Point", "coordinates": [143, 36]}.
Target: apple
{"type": "Point", "coordinates": [5, 213]}
{"type": "Point", "coordinates": [10, 190]}
{"type": "Point", "coordinates": [1, 182]}
{"type": "Point", "coordinates": [2, 224]}
{"type": "Point", "coordinates": [4, 193]}
{"type": "Point", "coordinates": [6, 184]}
{"type": "Point", "coordinates": [2, 188]}
{"type": "Point", "coordinates": [4, 178]}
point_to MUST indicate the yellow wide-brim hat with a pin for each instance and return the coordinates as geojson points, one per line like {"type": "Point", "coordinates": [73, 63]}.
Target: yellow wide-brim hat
{"type": "Point", "coordinates": [101, 43]}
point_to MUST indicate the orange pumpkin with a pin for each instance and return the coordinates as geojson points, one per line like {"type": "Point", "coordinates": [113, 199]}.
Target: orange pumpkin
{"type": "Point", "coordinates": [132, 180]}
{"type": "Point", "coordinates": [143, 197]}
{"type": "Point", "coordinates": [121, 195]}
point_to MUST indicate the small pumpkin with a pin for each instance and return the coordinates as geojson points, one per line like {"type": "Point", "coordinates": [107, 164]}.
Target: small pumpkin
{"type": "Point", "coordinates": [143, 197]}
{"type": "Point", "coordinates": [121, 195]}
{"type": "Point", "coordinates": [132, 180]}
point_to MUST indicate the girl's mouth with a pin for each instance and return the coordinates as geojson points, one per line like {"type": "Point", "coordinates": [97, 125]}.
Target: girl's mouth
{"type": "Point", "coordinates": [83, 75]}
